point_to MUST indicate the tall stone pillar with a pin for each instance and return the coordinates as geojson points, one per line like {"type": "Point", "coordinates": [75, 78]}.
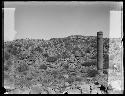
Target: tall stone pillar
{"type": "Point", "coordinates": [100, 51]}
{"type": "Point", "coordinates": [2, 22]}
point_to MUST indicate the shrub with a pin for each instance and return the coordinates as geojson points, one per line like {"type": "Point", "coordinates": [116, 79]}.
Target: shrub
{"type": "Point", "coordinates": [65, 55]}
{"type": "Point", "coordinates": [13, 49]}
{"type": "Point", "coordinates": [43, 66]}
{"type": "Point", "coordinates": [45, 55]}
{"type": "Point", "coordinates": [7, 66]}
{"type": "Point", "coordinates": [30, 60]}
{"type": "Point", "coordinates": [55, 73]}
{"type": "Point", "coordinates": [38, 49]}
{"type": "Point", "coordinates": [21, 68]}
{"type": "Point", "coordinates": [6, 55]}
{"type": "Point", "coordinates": [70, 80]}
{"type": "Point", "coordinates": [65, 66]}
{"type": "Point", "coordinates": [88, 63]}
{"type": "Point", "coordinates": [51, 59]}
{"type": "Point", "coordinates": [92, 73]}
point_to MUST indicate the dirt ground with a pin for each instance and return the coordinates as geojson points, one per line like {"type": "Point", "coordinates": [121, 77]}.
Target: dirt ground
{"type": "Point", "coordinates": [116, 80]}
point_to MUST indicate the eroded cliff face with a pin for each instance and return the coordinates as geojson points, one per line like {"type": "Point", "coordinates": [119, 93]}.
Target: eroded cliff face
{"type": "Point", "coordinates": [59, 63]}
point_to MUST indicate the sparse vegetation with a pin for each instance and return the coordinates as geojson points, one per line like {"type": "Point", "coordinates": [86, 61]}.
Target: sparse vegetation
{"type": "Point", "coordinates": [73, 56]}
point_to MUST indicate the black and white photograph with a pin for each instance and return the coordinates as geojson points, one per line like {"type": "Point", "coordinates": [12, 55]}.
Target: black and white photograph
{"type": "Point", "coordinates": [71, 47]}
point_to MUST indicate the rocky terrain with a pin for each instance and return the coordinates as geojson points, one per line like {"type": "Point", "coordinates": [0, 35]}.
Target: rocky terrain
{"type": "Point", "coordinates": [60, 65]}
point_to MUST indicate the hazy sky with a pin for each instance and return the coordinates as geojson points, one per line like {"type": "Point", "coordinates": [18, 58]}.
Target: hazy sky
{"type": "Point", "coordinates": [46, 21]}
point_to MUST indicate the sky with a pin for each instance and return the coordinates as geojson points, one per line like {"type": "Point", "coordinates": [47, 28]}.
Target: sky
{"type": "Point", "coordinates": [56, 20]}
{"type": "Point", "coordinates": [9, 25]}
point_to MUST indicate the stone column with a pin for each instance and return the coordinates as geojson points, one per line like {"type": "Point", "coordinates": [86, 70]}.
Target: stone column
{"type": "Point", "coordinates": [2, 23]}
{"type": "Point", "coordinates": [99, 51]}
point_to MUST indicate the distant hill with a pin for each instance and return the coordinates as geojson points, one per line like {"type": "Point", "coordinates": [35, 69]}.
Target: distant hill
{"type": "Point", "coordinates": [77, 45]}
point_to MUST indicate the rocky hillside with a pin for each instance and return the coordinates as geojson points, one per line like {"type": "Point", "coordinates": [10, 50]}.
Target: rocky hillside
{"type": "Point", "coordinates": [79, 46]}
{"type": "Point", "coordinates": [34, 60]}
